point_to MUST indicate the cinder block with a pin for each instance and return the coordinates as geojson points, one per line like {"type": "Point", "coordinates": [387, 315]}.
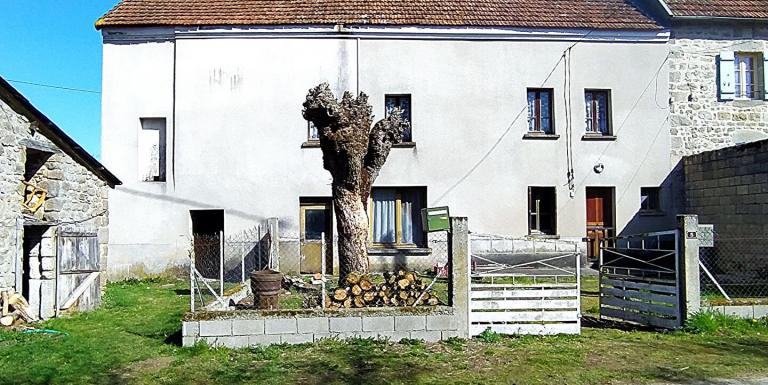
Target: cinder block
{"type": "Point", "coordinates": [232, 342]}
{"type": "Point", "coordinates": [739, 311]}
{"type": "Point", "coordinates": [441, 322]}
{"type": "Point", "coordinates": [295, 339]}
{"type": "Point", "coordinates": [263, 340]}
{"type": "Point", "coordinates": [242, 327]}
{"type": "Point", "coordinates": [346, 324]}
{"type": "Point", "coordinates": [410, 322]}
{"type": "Point", "coordinates": [446, 334]}
{"type": "Point", "coordinates": [190, 329]}
{"type": "Point", "coordinates": [280, 326]}
{"type": "Point", "coordinates": [188, 342]}
{"type": "Point", "coordinates": [379, 324]}
{"type": "Point", "coordinates": [313, 325]}
{"type": "Point", "coordinates": [324, 336]}
{"type": "Point", "coordinates": [426, 335]}
{"type": "Point", "coordinates": [216, 328]}
{"type": "Point", "coordinates": [760, 311]}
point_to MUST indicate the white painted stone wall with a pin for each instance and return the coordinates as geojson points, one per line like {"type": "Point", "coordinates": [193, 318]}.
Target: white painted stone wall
{"type": "Point", "coordinates": [700, 122]}
{"type": "Point", "coordinates": [232, 100]}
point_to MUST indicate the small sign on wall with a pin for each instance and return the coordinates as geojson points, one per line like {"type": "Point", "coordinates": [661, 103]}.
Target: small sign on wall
{"type": "Point", "coordinates": [706, 235]}
{"type": "Point", "coordinates": [436, 219]}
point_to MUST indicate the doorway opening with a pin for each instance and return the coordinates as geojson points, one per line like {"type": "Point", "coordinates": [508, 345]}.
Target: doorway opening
{"type": "Point", "coordinates": [600, 218]}
{"type": "Point", "coordinates": [208, 237]}
{"type": "Point", "coordinates": [316, 234]}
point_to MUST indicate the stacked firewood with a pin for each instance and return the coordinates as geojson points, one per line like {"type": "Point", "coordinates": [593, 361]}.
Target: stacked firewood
{"type": "Point", "coordinates": [403, 288]}
{"type": "Point", "coordinates": [14, 308]}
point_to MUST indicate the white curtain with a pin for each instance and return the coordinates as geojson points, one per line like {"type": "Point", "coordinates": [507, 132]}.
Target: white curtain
{"type": "Point", "coordinates": [411, 217]}
{"type": "Point", "coordinates": [384, 216]}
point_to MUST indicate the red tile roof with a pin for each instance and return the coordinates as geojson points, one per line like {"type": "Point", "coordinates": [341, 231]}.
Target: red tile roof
{"type": "Point", "coordinates": [720, 8]}
{"type": "Point", "coordinates": [591, 14]}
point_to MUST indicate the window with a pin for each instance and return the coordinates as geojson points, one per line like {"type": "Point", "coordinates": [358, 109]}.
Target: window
{"type": "Point", "coordinates": [403, 102]}
{"type": "Point", "coordinates": [598, 112]}
{"type": "Point", "coordinates": [649, 199]}
{"type": "Point", "coordinates": [540, 111]}
{"type": "Point", "coordinates": [542, 211]}
{"type": "Point", "coordinates": [396, 216]}
{"type": "Point", "coordinates": [313, 135]}
{"type": "Point", "coordinates": [746, 76]}
{"type": "Point", "coordinates": [152, 150]}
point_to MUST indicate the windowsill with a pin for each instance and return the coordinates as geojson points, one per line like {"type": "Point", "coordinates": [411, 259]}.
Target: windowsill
{"type": "Point", "coordinates": [598, 137]}
{"type": "Point", "coordinates": [311, 144]}
{"type": "Point", "coordinates": [544, 236]}
{"type": "Point", "coordinates": [404, 145]}
{"type": "Point", "coordinates": [540, 136]}
{"type": "Point", "coordinates": [154, 181]}
{"type": "Point", "coordinates": [398, 249]}
{"type": "Point", "coordinates": [651, 213]}
{"type": "Point", "coordinates": [743, 102]}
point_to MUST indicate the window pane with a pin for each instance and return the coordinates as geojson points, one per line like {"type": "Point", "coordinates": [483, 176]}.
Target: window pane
{"type": "Point", "coordinates": [588, 103]}
{"type": "Point", "coordinates": [737, 75]}
{"type": "Point", "coordinates": [404, 103]}
{"type": "Point", "coordinates": [384, 216]}
{"type": "Point", "coordinates": [412, 231]}
{"type": "Point", "coordinates": [546, 119]}
{"type": "Point", "coordinates": [314, 224]}
{"type": "Point", "coordinates": [542, 209]}
{"type": "Point", "coordinates": [602, 112]}
{"type": "Point", "coordinates": [313, 133]}
{"type": "Point", "coordinates": [531, 111]}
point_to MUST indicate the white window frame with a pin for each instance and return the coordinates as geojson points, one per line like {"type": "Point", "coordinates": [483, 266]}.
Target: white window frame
{"type": "Point", "coordinates": [741, 75]}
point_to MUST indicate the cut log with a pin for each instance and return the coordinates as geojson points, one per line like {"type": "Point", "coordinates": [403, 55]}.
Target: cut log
{"type": "Point", "coordinates": [340, 294]}
{"type": "Point", "coordinates": [403, 295]}
{"type": "Point", "coordinates": [403, 283]}
{"type": "Point", "coordinates": [433, 301]}
{"type": "Point", "coordinates": [359, 301]}
{"type": "Point", "coordinates": [365, 284]}
{"type": "Point", "coordinates": [411, 277]}
{"type": "Point", "coordinates": [410, 301]}
{"type": "Point", "coordinates": [4, 299]}
{"type": "Point", "coordinates": [356, 290]}
{"type": "Point", "coordinates": [7, 320]}
{"type": "Point", "coordinates": [369, 296]}
{"type": "Point", "coordinates": [353, 278]}
{"type": "Point", "coordinates": [348, 303]}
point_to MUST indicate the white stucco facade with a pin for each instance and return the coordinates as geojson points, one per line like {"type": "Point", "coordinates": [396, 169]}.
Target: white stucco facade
{"type": "Point", "coordinates": [232, 100]}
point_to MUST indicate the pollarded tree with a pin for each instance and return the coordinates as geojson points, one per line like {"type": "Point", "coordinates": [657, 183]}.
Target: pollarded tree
{"type": "Point", "coordinates": [353, 152]}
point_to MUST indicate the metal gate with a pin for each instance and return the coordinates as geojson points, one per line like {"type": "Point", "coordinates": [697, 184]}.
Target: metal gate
{"type": "Point", "coordinates": [639, 279]}
{"type": "Point", "coordinates": [78, 270]}
{"type": "Point", "coordinates": [536, 292]}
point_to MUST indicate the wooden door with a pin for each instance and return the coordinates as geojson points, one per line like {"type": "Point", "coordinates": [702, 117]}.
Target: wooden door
{"type": "Point", "coordinates": [315, 222]}
{"type": "Point", "coordinates": [79, 260]}
{"type": "Point", "coordinates": [599, 218]}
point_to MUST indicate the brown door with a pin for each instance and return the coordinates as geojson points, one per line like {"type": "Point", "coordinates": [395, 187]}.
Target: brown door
{"type": "Point", "coordinates": [599, 218]}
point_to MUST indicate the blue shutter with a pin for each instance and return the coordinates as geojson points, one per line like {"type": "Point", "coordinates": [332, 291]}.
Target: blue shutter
{"type": "Point", "coordinates": [764, 83]}
{"type": "Point", "coordinates": [727, 89]}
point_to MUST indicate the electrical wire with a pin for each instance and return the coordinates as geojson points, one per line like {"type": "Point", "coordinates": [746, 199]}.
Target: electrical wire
{"type": "Point", "coordinates": [53, 86]}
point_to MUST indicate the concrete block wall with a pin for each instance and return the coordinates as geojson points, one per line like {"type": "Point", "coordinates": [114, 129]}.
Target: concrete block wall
{"type": "Point", "coordinates": [729, 188]}
{"type": "Point", "coordinates": [250, 330]}
{"type": "Point", "coordinates": [741, 311]}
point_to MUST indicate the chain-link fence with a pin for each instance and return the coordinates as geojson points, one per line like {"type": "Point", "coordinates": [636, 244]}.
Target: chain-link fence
{"type": "Point", "coordinates": [221, 263]}
{"type": "Point", "coordinates": [735, 268]}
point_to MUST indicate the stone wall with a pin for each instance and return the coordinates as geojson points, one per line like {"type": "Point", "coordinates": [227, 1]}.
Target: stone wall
{"type": "Point", "coordinates": [699, 121]}
{"type": "Point", "coordinates": [76, 201]}
{"type": "Point", "coordinates": [244, 329]}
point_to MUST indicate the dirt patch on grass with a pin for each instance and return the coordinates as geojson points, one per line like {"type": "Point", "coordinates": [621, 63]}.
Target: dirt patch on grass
{"type": "Point", "coordinates": [138, 369]}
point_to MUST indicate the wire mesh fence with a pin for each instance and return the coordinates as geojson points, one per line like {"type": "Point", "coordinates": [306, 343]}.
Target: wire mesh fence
{"type": "Point", "coordinates": [221, 263]}
{"type": "Point", "coordinates": [735, 268]}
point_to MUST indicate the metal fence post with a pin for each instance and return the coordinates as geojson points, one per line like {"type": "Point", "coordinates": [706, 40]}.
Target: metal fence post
{"type": "Point", "coordinates": [258, 252]}
{"type": "Point", "coordinates": [274, 243]}
{"type": "Point", "coordinates": [322, 269]}
{"type": "Point", "coordinates": [221, 263]}
{"type": "Point", "coordinates": [192, 281]}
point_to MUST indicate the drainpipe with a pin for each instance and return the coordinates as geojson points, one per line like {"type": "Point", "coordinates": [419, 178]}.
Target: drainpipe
{"type": "Point", "coordinates": [17, 262]}
{"type": "Point", "coordinates": [357, 66]}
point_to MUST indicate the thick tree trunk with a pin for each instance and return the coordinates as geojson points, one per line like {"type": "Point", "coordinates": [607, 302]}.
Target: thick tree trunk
{"type": "Point", "coordinates": [352, 226]}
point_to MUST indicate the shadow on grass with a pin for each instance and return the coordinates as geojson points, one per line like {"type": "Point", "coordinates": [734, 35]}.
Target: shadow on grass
{"type": "Point", "coordinates": [364, 363]}
{"type": "Point", "coordinates": [597, 323]}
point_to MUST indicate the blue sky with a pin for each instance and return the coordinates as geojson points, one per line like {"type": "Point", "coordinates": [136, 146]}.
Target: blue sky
{"type": "Point", "coordinates": [54, 42]}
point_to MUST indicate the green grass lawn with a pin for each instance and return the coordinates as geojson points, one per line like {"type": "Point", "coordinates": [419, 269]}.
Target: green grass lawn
{"type": "Point", "coordinates": [133, 339]}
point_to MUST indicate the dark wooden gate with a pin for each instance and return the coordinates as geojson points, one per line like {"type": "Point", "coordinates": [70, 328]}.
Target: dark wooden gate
{"type": "Point", "coordinates": [78, 267]}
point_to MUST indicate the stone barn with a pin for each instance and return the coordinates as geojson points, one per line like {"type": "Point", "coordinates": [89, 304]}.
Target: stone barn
{"type": "Point", "coordinates": [53, 211]}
